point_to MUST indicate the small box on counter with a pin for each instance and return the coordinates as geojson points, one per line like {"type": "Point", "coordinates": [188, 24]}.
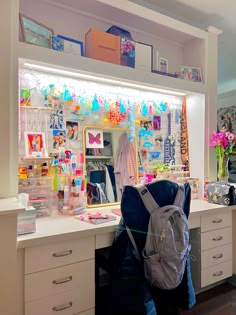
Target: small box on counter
{"type": "Point", "coordinates": [102, 46]}
{"type": "Point", "coordinates": [143, 56]}
{"type": "Point", "coordinates": [26, 221]}
{"type": "Point", "coordinates": [67, 45]}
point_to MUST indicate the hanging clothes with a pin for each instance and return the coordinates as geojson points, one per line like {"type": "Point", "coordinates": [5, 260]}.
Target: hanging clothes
{"type": "Point", "coordinates": [125, 164]}
{"type": "Point", "coordinates": [109, 188]}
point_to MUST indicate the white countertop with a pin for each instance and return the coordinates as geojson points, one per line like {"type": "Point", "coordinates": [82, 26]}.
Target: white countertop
{"type": "Point", "coordinates": [9, 206]}
{"type": "Point", "coordinates": [60, 228]}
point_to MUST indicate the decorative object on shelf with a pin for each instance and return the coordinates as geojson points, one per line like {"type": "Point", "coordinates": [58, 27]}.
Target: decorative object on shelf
{"type": "Point", "coordinates": [191, 74]}
{"type": "Point", "coordinates": [173, 75]}
{"type": "Point", "coordinates": [71, 45]}
{"type": "Point", "coordinates": [220, 193]}
{"type": "Point", "coordinates": [35, 33]}
{"type": "Point", "coordinates": [127, 52]}
{"type": "Point", "coordinates": [224, 143]}
{"type": "Point", "coordinates": [102, 46]}
{"type": "Point", "coordinates": [34, 144]}
{"type": "Point", "coordinates": [118, 31]}
{"type": "Point", "coordinates": [163, 65]}
{"type": "Point", "coordinates": [127, 46]}
{"type": "Point", "coordinates": [143, 56]}
{"type": "Point", "coordinates": [57, 43]}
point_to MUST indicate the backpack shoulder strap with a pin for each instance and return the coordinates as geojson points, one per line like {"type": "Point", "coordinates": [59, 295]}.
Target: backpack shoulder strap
{"type": "Point", "coordinates": [146, 196]}
{"type": "Point", "coordinates": [180, 196]}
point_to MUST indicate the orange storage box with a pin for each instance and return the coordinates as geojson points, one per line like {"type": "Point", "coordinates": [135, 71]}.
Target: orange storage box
{"type": "Point", "coordinates": [102, 46]}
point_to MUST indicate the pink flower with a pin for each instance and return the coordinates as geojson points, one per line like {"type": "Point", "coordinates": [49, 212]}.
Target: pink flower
{"type": "Point", "coordinates": [213, 143]}
{"type": "Point", "coordinates": [224, 143]}
{"type": "Point", "coordinates": [230, 136]}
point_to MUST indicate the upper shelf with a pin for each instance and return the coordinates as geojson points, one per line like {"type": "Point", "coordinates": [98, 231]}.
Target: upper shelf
{"type": "Point", "coordinates": [50, 58]}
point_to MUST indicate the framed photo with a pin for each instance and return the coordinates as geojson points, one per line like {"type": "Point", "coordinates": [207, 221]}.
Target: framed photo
{"type": "Point", "coordinates": [191, 74]}
{"type": "Point", "coordinates": [34, 144]}
{"type": "Point", "coordinates": [196, 75]}
{"type": "Point", "coordinates": [163, 65]}
{"type": "Point", "coordinates": [35, 33]}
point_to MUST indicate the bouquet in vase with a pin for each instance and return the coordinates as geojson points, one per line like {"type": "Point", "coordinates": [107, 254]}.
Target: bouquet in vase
{"type": "Point", "coordinates": [224, 143]}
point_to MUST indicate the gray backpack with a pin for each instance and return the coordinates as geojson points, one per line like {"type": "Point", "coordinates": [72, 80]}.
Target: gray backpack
{"type": "Point", "coordinates": [167, 244]}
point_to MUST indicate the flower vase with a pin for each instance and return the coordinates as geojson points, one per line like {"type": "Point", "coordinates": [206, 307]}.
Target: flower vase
{"type": "Point", "coordinates": [223, 172]}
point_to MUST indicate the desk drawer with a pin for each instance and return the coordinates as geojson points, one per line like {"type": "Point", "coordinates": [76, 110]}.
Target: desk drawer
{"type": "Point", "coordinates": [194, 222]}
{"type": "Point", "coordinates": [66, 303]}
{"type": "Point", "coordinates": [216, 255]}
{"type": "Point", "coordinates": [216, 238]}
{"type": "Point", "coordinates": [216, 221]}
{"type": "Point", "coordinates": [104, 240]}
{"type": "Point", "coordinates": [45, 257]}
{"type": "Point", "coordinates": [78, 277]}
{"type": "Point", "coordinates": [216, 273]}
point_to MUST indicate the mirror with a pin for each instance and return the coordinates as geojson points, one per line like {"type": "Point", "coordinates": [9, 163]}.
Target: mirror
{"type": "Point", "coordinates": [111, 163]}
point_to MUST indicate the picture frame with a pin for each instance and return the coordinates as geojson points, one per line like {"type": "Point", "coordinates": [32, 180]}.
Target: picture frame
{"type": "Point", "coordinates": [191, 74]}
{"type": "Point", "coordinates": [34, 144]}
{"type": "Point", "coordinates": [71, 45]}
{"type": "Point", "coordinates": [163, 65]}
{"type": "Point", "coordinates": [35, 33]}
{"type": "Point", "coordinates": [196, 75]}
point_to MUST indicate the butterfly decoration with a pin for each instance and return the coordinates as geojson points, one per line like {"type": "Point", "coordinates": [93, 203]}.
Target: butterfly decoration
{"type": "Point", "coordinates": [94, 139]}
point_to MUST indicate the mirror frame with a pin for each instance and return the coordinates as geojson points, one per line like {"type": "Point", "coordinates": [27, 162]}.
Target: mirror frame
{"type": "Point", "coordinates": [106, 128]}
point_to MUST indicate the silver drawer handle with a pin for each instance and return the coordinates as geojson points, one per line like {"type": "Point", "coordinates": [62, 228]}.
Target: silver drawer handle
{"type": "Point", "coordinates": [64, 280]}
{"type": "Point", "coordinates": [217, 274]}
{"type": "Point", "coordinates": [218, 256]}
{"type": "Point", "coordinates": [219, 238]}
{"type": "Point", "coordinates": [217, 221]}
{"type": "Point", "coordinates": [62, 307]}
{"type": "Point", "coordinates": [62, 254]}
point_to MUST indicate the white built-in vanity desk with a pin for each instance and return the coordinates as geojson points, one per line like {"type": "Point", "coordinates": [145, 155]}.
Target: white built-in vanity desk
{"type": "Point", "coordinates": [56, 265]}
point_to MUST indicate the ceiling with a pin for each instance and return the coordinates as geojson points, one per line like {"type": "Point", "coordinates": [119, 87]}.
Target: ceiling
{"type": "Point", "coordinates": [202, 13]}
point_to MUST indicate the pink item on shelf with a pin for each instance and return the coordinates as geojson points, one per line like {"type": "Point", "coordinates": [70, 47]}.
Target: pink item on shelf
{"type": "Point", "coordinates": [116, 211]}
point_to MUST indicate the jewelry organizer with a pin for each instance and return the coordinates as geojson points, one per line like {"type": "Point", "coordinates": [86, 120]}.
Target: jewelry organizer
{"type": "Point", "coordinates": [64, 112]}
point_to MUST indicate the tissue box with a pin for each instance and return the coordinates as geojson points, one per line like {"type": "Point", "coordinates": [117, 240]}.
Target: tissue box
{"type": "Point", "coordinates": [102, 46]}
{"type": "Point", "coordinates": [26, 221]}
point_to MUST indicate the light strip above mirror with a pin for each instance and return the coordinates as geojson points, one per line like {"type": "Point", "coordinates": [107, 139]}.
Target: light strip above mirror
{"type": "Point", "coordinates": [99, 79]}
